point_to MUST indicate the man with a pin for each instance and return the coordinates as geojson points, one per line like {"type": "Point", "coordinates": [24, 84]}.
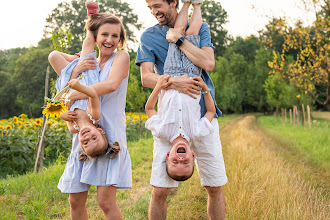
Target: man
{"type": "Point", "coordinates": [208, 151]}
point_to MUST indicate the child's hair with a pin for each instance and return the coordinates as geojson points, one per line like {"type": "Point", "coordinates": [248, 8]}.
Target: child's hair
{"type": "Point", "coordinates": [96, 20]}
{"type": "Point", "coordinates": [114, 149]}
{"type": "Point", "coordinates": [180, 178]}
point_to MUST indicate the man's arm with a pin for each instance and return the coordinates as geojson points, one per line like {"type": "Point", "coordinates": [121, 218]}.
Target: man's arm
{"type": "Point", "coordinates": [201, 57]}
{"type": "Point", "coordinates": [148, 77]}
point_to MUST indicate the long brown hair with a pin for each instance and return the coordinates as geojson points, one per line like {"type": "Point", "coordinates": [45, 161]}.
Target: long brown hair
{"type": "Point", "coordinates": [96, 20]}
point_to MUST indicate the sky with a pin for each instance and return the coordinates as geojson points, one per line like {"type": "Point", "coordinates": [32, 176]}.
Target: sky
{"type": "Point", "coordinates": [23, 22]}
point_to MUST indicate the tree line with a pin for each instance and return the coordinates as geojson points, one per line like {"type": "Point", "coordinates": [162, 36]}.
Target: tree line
{"type": "Point", "coordinates": [279, 67]}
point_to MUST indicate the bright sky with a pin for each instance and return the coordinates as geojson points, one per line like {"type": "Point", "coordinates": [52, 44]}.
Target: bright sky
{"type": "Point", "coordinates": [22, 21]}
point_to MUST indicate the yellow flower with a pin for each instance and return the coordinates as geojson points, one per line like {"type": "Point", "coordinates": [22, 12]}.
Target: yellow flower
{"type": "Point", "coordinates": [23, 116]}
{"type": "Point", "coordinates": [8, 127]}
{"type": "Point", "coordinates": [49, 123]}
{"type": "Point", "coordinates": [1, 127]}
{"type": "Point", "coordinates": [27, 125]}
{"type": "Point", "coordinates": [38, 122]}
{"type": "Point", "coordinates": [15, 120]}
{"type": "Point", "coordinates": [298, 96]}
{"type": "Point", "coordinates": [54, 109]}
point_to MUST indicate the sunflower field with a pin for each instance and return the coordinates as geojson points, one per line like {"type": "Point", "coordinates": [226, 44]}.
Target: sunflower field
{"type": "Point", "coordinates": [19, 139]}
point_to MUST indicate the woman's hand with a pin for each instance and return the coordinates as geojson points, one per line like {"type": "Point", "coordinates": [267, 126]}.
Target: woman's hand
{"type": "Point", "coordinates": [70, 98]}
{"type": "Point", "coordinates": [69, 116]}
{"type": "Point", "coordinates": [83, 65]}
{"type": "Point", "coordinates": [185, 85]}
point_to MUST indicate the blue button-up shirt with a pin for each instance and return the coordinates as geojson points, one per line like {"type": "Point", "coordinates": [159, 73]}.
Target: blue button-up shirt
{"type": "Point", "coordinates": [153, 48]}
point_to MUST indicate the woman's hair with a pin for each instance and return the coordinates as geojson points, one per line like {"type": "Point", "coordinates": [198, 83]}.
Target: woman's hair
{"type": "Point", "coordinates": [114, 149]}
{"type": "Point", "coordinates": [96, 20]}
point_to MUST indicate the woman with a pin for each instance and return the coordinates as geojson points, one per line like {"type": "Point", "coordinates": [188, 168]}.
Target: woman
{"type": "Point", "coordinates": [107, 174]}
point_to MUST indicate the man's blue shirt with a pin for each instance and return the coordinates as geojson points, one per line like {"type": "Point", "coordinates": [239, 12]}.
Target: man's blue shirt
{"type": "Point", "coordinates": [153, 48]}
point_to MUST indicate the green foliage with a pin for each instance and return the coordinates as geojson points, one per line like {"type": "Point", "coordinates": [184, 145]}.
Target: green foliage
{"type": "Point", "coordinates": [62, 40]}
{"type": "Point", "coordinates": [29, 80]}
{"type": "Point", "coordinates": [216, 17]}
{"type": "Point", "coordinates": [281, 94]}
{"type": "Point", "coordinates": [73, 17]}
{"type": "Point", "coordinates": [229, 77]}
{"type": "Point", "coordinates": [18, 147]}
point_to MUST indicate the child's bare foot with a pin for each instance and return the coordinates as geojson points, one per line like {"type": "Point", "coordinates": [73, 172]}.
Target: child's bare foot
{"type": "Point", "coordinates": [92, 8]}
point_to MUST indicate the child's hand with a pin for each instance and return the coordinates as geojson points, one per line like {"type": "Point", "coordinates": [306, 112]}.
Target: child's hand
{"type": "Point", "coordinates": [162, 81]}
{"type": "Point", "coordinates": [74, 83]}
{"type": "Point", "coordinates": [69, 116]}
{"type": "Point", "coordinates": [199, 82]}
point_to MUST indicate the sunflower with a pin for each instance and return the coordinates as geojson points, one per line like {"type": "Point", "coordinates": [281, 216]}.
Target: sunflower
{"type": "Point", "coordinates": [54, 109]}
{"type": "Point", "coordinates": [23, 116]}
{"type": "Point", "coordinates": [49, 123]}
{"type": "Point", "coordinates": [15, 120]}
{"type": "Point", "coordinates": [38, 122]}
{"type": "Point", "coordinates": [9, 127]}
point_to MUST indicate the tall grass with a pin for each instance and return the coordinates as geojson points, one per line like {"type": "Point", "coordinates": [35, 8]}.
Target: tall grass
{"type": "Point", "coordinates": [313, 143]}
{"type": "Point", "coordinates": [35, 195]}
{"type": "Point", "coordinates": [261, 185]}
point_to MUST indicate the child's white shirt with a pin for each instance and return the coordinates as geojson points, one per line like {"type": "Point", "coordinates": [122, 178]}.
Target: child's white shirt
{"type": "Point", "coordinates": [179, 114]}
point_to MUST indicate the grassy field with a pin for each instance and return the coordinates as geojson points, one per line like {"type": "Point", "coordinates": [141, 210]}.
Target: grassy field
{"type": "Point", "coordinates": [321, 115]}
{"type": "Point", "coordinates": [263, 182]}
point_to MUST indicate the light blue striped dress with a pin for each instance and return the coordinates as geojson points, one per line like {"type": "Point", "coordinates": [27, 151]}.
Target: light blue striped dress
{"type": "Point", "coordinates": [177, 63]}
{"type": "Point", "coordinates": [78, 176]}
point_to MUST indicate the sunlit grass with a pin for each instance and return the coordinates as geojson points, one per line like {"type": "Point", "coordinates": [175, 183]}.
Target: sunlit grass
{"type": "Point", "coordinates": [313, 143]}
{"type": "Point", "coordinates": [261, 185]}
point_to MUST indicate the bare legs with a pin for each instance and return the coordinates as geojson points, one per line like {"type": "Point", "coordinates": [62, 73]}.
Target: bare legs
{"type": "Point", "coordinates": [78, 209]}
{"type": "Point", "coordinates": [106, 197]}
{"type": "Point", "coordinates": [215, 203]}
{"type": "Point", "coordinates": [157, 206]}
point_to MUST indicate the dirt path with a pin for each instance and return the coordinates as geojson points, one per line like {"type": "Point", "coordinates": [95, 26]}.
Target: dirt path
{"type": "Point", "coordinates": [261, 184]}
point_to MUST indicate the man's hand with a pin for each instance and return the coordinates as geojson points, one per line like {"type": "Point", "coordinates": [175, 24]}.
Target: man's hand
{"type": "Point", "coordinates": [173, 34]}
{"type": "Point", "coordinates": [69, 116]}
{"type": "Point", "coordinates": [185, 85]}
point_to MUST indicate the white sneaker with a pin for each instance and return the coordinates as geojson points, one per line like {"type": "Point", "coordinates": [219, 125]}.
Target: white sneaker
{"type": "Point", "coordinates": [196, 2]}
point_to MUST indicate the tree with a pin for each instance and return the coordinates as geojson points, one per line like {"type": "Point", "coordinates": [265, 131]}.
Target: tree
{"type": "Point", "coordinates": [310, 71]}
{"type": "Point", "coordinates": [137, 95]}
{"type": "Point", "coordinates": [73, 17]}
{"type": "Point", "coordinates": [29, 78]}
{"type": "Point", "coordinates": [229, 78]}
{"type": "Point", "coordinates": [215, 16]}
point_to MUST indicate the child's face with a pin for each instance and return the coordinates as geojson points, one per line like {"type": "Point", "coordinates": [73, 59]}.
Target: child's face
{"type": "Point", "coordinates": [180, 160]}
{"type": "Point", "coordinates": [91, 139]}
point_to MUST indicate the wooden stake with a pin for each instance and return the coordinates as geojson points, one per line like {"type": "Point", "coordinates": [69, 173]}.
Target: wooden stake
{"type": "Point", "coordinates": [41, 147]}
{"type": "Point", "coordinates": [309, 116]}
{"type": "Point", "coordinates": [303, 112]}
{"type": "Point", "coordinates": [290, 116]}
